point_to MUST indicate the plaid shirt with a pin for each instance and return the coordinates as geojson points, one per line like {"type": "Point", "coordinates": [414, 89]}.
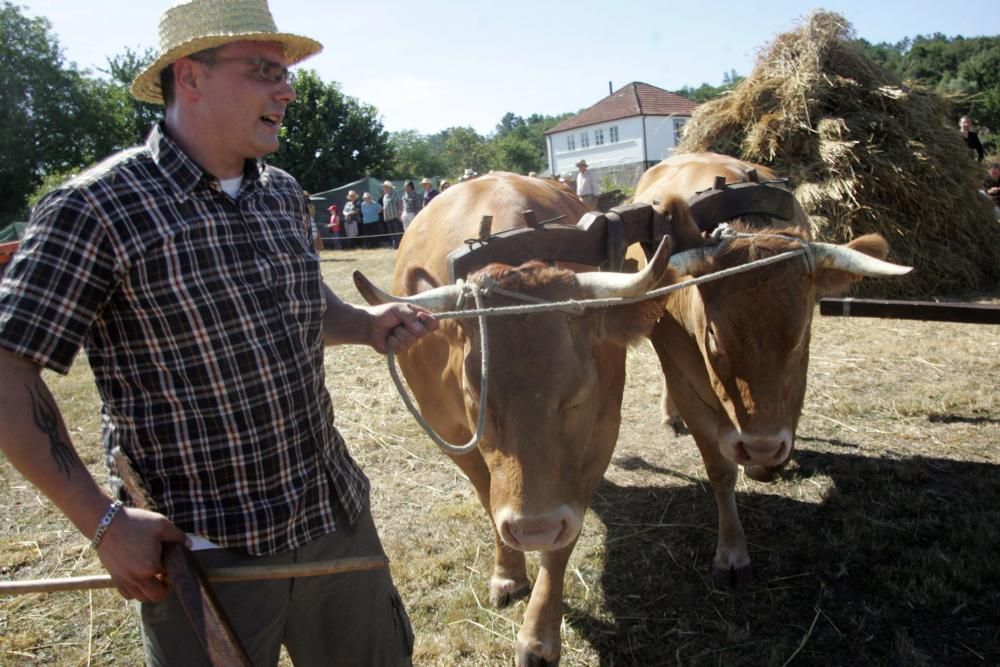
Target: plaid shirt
{"type": "Point", "coordinates": [202, 319]}
{"type": "Point", "coordinates": [392, 205]}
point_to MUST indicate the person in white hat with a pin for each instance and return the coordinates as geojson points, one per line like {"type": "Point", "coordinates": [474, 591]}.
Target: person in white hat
{"type": "Point", "coordinates": [392, 214]}
{"type": "Point", "coordinates": [184, 268]}
{"type": "Point", "coordinates": [429, 191]}
{"type": "Point", "coordinates": [586, 185]}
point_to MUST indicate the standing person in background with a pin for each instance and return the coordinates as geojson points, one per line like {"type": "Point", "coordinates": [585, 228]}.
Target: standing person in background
{"type": "Point", "coordinates": [586, 185]}
{"type": "Point", "coordinates": [183, 267]}
{"type": "Point", "coordinates": [317, 238]}
{"type": "Point", "coordinates": [971, 138]}
{"type": "Point", "coordinates": [336, 226]}
{"type": "Point", "coordinates": [445, 184]}
{"type": "Point", "coordinates": [392, 211]}
{"type": "Point", "coordinates": [991, 186]}
{"type": "Point", "coordinates": [371, 226]}
{"type": "Point", "coordinates": [412, 203]}
{"type": "Point", "coordinates": [429, 191]}
{"type": "Point", "coordinates": [352, 219]}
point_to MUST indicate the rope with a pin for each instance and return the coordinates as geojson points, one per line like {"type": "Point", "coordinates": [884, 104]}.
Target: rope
{"type": "Point", "coordinates": [541, 305]}
{"type": "Point", "coordinates": [446, 446]}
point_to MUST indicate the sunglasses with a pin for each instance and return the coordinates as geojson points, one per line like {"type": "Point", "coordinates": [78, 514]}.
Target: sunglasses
{"type": "Point", "coordinates": [265, 70]}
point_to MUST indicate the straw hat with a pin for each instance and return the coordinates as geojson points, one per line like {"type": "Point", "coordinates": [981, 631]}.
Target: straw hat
{"type": "Point", "coordinates": [581, 163]}
{"type": "Point", "coordinates": [388, 184]}
{"type": "Point", "coordinates": [191, 26]}
{"type": "Point", "coordinates": [425, 181]}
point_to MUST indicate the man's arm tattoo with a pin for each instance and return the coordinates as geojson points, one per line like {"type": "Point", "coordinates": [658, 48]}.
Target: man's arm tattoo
{"type": "Point", "coordinates": [47, 420]}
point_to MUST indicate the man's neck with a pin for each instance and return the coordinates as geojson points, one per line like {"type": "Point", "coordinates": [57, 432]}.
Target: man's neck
{"type": "Point", "coordinates": [201, 148]}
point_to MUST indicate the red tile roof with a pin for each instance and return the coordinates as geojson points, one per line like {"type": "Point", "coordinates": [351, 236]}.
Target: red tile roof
{"type": "Point", "coordinates": [635, 99]}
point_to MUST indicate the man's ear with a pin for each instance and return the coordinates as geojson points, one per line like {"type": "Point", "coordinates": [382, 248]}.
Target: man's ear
{"type": "Point", "coordinates": [188, 76]}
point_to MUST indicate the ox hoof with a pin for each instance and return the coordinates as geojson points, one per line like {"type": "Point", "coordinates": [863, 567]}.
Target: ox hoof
{"type": "Point", "coordinates": [732, 577]}
{"type": "Point", "coordinates": [679, 427]}
{"type": "Point", "coordinates": [504, 593]}
{"type": "Point", "coordinates": [527, 658]}
{"type": "Point", "coordinates": [761, 473]}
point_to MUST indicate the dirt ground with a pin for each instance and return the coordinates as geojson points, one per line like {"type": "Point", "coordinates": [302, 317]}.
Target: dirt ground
{"type": "Point", "coordinates": [876, 546]}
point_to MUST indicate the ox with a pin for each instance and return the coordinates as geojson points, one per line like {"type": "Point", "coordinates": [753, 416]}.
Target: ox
{"type": "Point", "coordinates": [555, 384]}
{"type": "Point", "coordinates": [735, 351]}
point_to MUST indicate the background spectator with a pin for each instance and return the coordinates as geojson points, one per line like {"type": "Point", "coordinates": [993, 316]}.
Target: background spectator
{"type": "Point", "coordinates": [372, 227]}
{"type": "Point", "coordinates": [412, 203]}
{"type": "Point", "coordinates": [971, 138]}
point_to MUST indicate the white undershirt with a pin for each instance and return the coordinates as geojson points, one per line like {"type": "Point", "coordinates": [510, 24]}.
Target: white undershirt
{"type": "Point", "coordinates": [231, 186]}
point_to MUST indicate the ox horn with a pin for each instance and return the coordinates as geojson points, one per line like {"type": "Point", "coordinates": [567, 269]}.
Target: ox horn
{"type": "Point", "coordinates": [831, 256]}
{"type": "Point", "coordinates": [437, 299]}
{"type": "Point", "coordinates": [614, 284]}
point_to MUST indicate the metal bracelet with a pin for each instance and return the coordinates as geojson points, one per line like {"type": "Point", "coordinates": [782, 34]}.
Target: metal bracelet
{"type": "Point", "coordinates": [106, 520]}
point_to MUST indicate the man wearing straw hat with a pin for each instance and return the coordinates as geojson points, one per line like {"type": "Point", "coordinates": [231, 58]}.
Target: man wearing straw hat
{"type": "Point", "coordinates": [183, 267]}
{"type": "Point", "coordinates": [586, 185]}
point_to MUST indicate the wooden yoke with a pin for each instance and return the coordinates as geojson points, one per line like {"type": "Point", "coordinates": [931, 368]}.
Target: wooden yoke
{"type": "Point", "coordinates": [598, 239]}
{"type": "Point", "coordinates": [728, 201]}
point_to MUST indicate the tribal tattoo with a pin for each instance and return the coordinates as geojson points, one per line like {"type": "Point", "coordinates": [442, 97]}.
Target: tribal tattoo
{"type": "Point", "coordinates": [47, 420]}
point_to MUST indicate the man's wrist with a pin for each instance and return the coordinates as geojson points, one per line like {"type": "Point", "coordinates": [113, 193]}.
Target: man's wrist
{"type": "Point", "coordinates": [105, 523]}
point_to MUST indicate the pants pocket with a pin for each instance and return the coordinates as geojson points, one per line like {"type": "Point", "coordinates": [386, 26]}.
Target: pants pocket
{"type": "Point", "coordinates": [404, 629]}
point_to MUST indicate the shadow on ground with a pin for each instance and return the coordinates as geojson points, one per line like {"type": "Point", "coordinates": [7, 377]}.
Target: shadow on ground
{"type": "Point", "coordinates": [896, 565]}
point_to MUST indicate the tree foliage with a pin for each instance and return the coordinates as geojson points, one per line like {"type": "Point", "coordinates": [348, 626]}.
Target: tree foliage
{"type": "Point", "coordinates": [43, 102]}
{"type": "Point", "coordinates": [329, 138]}
{"type": "Point", "coordinates": [966, 69]}
{"type": "Point", "coordinates": [517, 144]}
{"type": "Point", "coordinates": [707, 91]}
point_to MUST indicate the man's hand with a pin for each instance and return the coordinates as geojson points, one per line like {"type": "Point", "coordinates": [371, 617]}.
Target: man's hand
{"type": "Point", "coordinates": [397, 326]}
{"type": "Point", "coordinates": [132, 553]}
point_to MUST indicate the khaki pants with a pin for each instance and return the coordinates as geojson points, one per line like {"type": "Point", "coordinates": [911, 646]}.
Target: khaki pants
{"type": "Point", "coordinates": [340, 619]}
{"type": "Point", "coordinates": [590, 201]}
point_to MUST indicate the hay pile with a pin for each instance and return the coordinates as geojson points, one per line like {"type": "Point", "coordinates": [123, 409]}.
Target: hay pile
{"type": "Point", "coordinates": [865, 153]}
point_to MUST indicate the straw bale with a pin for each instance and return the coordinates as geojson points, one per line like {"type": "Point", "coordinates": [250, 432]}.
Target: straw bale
{"type": "Point", "coordinates": [864, 153]}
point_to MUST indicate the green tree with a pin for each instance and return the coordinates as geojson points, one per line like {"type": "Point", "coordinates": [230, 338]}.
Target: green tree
{"type": "Point", "coordinates": [136, 117]}
{"type": "Point", "coordinates": [415, 156]}
{"type": "Point", "coordinates": [465, 149]}
{"type": "Point", "coordinates": [42, 105]}
{"type": "Point", "coordinates": [707, 91]}
{"type": "Point", "coordinates": [329, 138]}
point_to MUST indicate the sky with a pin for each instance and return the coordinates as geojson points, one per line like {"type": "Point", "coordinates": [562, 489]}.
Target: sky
{"type": "Point", "coordinates": [433, 65]}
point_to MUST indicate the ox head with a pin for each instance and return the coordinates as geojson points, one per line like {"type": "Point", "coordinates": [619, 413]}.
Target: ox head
{"type": "Point", "coordinates": [753, 331]}
{"type": "Point", "coordinates": [554, 389]}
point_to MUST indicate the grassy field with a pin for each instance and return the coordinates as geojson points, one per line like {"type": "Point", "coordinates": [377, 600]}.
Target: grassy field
{"type": "Point", "coordinates": [877, 546]}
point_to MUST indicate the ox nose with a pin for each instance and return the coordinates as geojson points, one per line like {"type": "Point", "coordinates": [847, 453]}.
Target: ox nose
{"type": "Point", "coordinates": [537, 532]}
{"type": "Point", "coordinates": [764, 450]}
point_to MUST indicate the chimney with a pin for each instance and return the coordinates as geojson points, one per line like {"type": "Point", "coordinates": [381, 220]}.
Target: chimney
{"type": "Point", "coordinates": [610, 89]}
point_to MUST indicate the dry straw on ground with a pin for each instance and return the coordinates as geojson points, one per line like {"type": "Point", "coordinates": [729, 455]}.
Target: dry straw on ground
{"type": "Point", "coordinates": [865, 153]}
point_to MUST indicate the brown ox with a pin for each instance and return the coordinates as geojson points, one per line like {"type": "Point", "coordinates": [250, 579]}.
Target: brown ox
{"type": "Point", "coordinates": [554, 391]}
{"type": "Point", "coordinates": [735, 352]}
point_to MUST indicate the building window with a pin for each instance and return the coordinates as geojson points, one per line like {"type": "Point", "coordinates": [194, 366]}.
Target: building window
{"type": "Point", "coordinates": [679, 124]}
{"type": "Point", "coordinates": [613, 134]}
{"type": "Point", "coordinates": [599, 137]}
{"type": "Point", "coordinates": [570, 143]}
{"type": "Point", "coordinates": [584, 140]}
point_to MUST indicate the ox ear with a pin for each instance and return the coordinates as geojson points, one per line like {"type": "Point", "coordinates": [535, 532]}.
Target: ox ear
{"type": "Point", "coordinates": [834, 282]}
{"type": "Point", "coordinates": [628, 324]}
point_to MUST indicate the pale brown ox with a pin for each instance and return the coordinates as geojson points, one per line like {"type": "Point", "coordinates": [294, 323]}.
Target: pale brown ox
{"type": "Point", "coordinates": [555, 385]}
{"type": "Point", "coordinates": [735, 352]}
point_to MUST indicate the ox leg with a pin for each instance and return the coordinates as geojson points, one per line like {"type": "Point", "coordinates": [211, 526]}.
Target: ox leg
{"type": "Point", "coordinates": [510, 574]}
{"type": "Point", "coordinates": [671, 415]}
{"type": "Point", "coordinates": [539, 639]}
{"type": "Point", "coordinates": [731, 565]}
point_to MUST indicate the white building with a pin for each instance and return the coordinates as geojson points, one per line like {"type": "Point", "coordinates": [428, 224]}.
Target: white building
{"type": "Point", "coordinates": [622, 135]}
